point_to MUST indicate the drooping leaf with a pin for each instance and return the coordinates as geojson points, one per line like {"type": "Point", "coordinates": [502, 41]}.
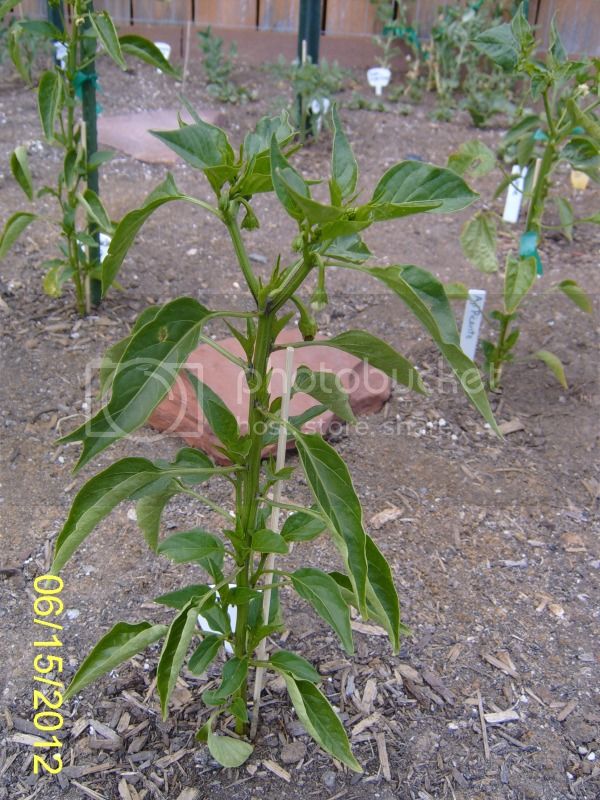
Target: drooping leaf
{"type": "Point", "coordinates": [344, 169]}
{"type": "Point", "coordinates": [120, 644]}
{"type": "Point", "coordinates": [326, 388]}
{"type": "Point", "coordinates": [147, 370]}
{"type": "Point", "coordinates": [479, 241]}
{"type": "Point", "coordinates": [229, 752]}
{"type": "Point", "coordinates": [411, 183]}
{"type": "Point", "coordinates": [331, 485]}
{"type": "Point", "coordinates": [266, 541]}
{"type": "Point", "coordinates": [147, 51]}
{"type": "Point", "coordinates": [322, 592]}
{"type": "Point", "coordinates": [555, 365]}
{"type": "Point", "coordinates": [382, 594]}
{"type": "Point", "coordinates": [292, 664]}
{"type": "Point", "coordinates": [19, 166]}
{"type": "Point", "coordinates": [320, 720]}
{"type": "Point", "coordinates": [575, 293]}
{"type": "Point", "coordinates": [173, 654]}
{"type": "Point", "coordinates": [284, 178]}
{"type": "Point", "coordinates": [205, 654]}
{"type": "Point", "coordinates": [426, 298]}
{"type": "Point", "coordinates": [113, 355]}
{"type": "Point", "coordinates": [149, 509]}
{"type": "Point", "coordinates": [50, 96]}
{"type": "Point", "coordinates": [302, 527]}
{"type": "Point", "coordinates": [376, 353]}
{"type": "Point", "coordinates": [107, 34]}
{"type": "Point", "coordinates": [472, 159]}
{"type": "Point", "coordinates": [193, 545]}
{"type": "Point", "coordinates": [565, 213]}
{"type": "Point", "coordinates": [96, 211]}
{"type": "Point", "coordinates": [14, 227]}
{"type": "Point", "coordinates": [222, 422]}
{"type": "Point", "coordinates": [234, 674]}
{"type": "Point", "coordinates": [518, 279]}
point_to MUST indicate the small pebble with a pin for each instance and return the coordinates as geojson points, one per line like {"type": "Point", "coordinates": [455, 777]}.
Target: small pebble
{"type": "Point", "coordinates": [73, 613]}
{"type": "Point", "coordinates": [329, 779]}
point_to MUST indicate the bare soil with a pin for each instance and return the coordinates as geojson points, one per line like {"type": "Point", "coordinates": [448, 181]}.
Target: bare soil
{"type": "Point", "coordinates": [493, 544]}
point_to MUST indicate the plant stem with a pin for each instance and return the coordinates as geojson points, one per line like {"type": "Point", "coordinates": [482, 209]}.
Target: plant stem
{"type": "Point", "coordinates": [230, 219]}
{"type": "Point", "coordinates": [540, 190]}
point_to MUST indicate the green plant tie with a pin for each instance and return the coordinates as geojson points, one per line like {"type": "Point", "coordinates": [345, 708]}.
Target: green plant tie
{"type": "Point", "coordinates": [540, 136]}
{"type": "Point", "coordinates": [80, 79]}
{"type": "Point", "coordinates": [528, 248]}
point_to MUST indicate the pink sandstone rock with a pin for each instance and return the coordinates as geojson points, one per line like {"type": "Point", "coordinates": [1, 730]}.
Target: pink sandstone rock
{"type": "Point", "coordinates": [129, 133]}
{"type": "Point", "coordinates": [179, 414]}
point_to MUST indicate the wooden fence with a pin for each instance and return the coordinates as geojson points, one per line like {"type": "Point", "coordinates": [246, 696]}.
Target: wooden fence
{"type": "Point", "coordinates": [578, 20]}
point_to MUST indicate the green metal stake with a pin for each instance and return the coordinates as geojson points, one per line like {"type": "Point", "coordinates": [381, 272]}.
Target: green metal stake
{"type": "Point", "coordinates": [309, 35]}
{"type": "Point", "coordinates": [90, 117]}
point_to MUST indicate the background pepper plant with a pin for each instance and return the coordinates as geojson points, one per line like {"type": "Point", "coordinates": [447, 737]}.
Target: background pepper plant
{"type": "Point", "coordinates": [81, 214]}
{"type": "Point", "coordinates": [564, 130]}
{"type": "Point", "coordinates": [139, 370]}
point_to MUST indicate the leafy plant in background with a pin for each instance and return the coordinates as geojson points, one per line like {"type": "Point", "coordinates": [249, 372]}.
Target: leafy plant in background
{"type": "Point", "coordinates": [81, 214]}
{"type": "Point", "coordinates": [566, 130]}
{"type": "Point", "coordinates": [396, 28]}
{"type": "Point", "coordinates": [313, 87]}
{"type": "Point", "coordinates": [24, 46]}
{"type": "Point", "coordinates": [140, 370]}
{"type": "Point", "coordinates": [218, 67]}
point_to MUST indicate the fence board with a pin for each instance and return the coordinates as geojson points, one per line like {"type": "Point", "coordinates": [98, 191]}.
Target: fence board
{"type": "Point", "coordinates": [119, 10]}
{"type": "Point", "coordinates": [226, 13]}
{"type": "Point", "coordinates": [351, 17]}
{"type": "Point", "coordinates": [279, 15]}
{"type": "Point", "coordinates": [161, 11]}
{"type": "Point", "coordinates": [578, 23]}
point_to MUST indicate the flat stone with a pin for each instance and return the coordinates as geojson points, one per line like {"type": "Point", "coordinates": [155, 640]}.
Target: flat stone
{"type": "Point", "coordinates": [179, 414]}
{"type": "Point", "coordinates": [130, 133]}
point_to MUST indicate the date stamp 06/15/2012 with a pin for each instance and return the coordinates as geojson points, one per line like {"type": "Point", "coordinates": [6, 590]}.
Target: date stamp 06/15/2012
{"type": "Point", "coordinates": [48, 691]}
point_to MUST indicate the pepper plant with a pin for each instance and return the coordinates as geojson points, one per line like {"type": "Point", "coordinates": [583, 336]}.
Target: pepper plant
{"type": "Point", "coordinates": [565, 131]}
{"type": "Point", "coordinates": [139, 371]}
{"type": "Point", "coordinates": [81, 214]}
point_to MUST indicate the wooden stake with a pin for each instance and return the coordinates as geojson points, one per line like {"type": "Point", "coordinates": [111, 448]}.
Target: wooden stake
{"type": "Point", "coordinates": [186, 55]}
{"type": "Point", "coordinates": [261, 651]}
{"type": "Point", "coordinates": [486, 744]}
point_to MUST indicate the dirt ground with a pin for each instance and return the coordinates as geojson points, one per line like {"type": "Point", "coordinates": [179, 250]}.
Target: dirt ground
{"type": "Point", "coordinates": [493, 544]}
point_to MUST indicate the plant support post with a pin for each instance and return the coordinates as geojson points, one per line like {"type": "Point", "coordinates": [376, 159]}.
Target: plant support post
{"type": "Point", "coordinates": [309, 32]}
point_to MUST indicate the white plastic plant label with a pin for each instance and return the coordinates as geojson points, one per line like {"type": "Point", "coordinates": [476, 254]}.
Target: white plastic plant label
{"type": "Point", "coordinates": [61, 52]}
{"type": "Point", "coordinates": [104, 245]}
{"type": "Point", "coordinates": [378, 77]}
{"type": "Point", "coordinates": [469, 334]}
{"type": "Point", "coordinates": [165, 49]}
{"type": "Point", "coordinates": [204, 624]}
{"type": "Point", "coordinates": [514, 195]}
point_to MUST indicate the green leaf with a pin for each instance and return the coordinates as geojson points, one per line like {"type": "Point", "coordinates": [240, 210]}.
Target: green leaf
{"type": "Point", "coordinates": [222, 422]}
{"type": "Point", "coordinates": [519, 277]}
{"type": "Point", "coordinates": [456, 291]}
{"type": "Point", "coordinates": [472, 159]}
{"type": "Point", "coordinates": [19, 166]}
{"type": "Point", "coordinates": [112, 356]}
{"type": "Point", "coordinates": [499, 44]}
{"type": "Point", "coordinates": [173, 654]}
{"type": "Point", "coordinates": [14, 227]}
{"type": "Point", "coordinates": [556, 48]}
{"type": "Point", "coordinates": [425, 297]}
{"type": "Point", "coordinates": [555, 364]}
{"type": "Point", "coordinates": [330, 482]}
{"type": "Point", "coordinates": [234, 674]}
{"type": "Point", "coordinates": [285, 178]}
{"type": "Point", "coordinates": [567, 218]}
{"type": "Point", "coordinates": [128, 228]}
{"type": "Point", "coordinates": [326, 388]}
{"type": "Point", "coordinates": [412, 187]}
{"type": "Point", "coordinates": [295, 665]}
{"type": "Point", "coordinates": [204, 147]}
{"type": "Point", "coordinates": [382, 595]}
{"type": "Point", "coordinates": [58, 274]}
{"type": "Point", "coordinates": [147, 51]}
{"type": "Point", "coordinates": [98, 158]}
{"type": "Point", "coordinates": [50, 96]}
{"type": "Point", "coordinates": [97, 498]}
{"type": "Point", "coordinates": [322, 592]}
{"type": "Point", "coordinates": [229, 752]}
{"type": "Point", "coordinates": [96, 211]}
{"type": "Point", "coordinates": [149, 509]}
{"type": "Point", "coordinates": [120, 644]}
{"type": "Point", "coordinates": [302, 527]}
{"type": "Point", "coordinates": [320, 720]}
{"type": "Point", "coordinates": [376, 353]}
{"type": "Point", "coordinates": [344, 169]}
{"type": "Point", "coordinates": [193, 545]}
{"type": "Point", "coordinates": [350, 249]}
{"type": "Point", "coordinates": [266, 541]}
{"type": "Point", "coordinates": [144, 375]}
{"type": "Point", "coordinates": [182, 597]}
{"type": "Point", "coordinates": [479, 241]}
{"type": "Point", "coordinates": [257, 154]}
{"type": "Point", "coordinates": [205, 654]}
{"type": "Point", "coordinates": [192, 465]}
{"type": "Point", "coordinates": [6, 6]}
{"type": "Point", "coordinates": [107, 34]}
{"type": "Point", "coordinates": [575, 293]}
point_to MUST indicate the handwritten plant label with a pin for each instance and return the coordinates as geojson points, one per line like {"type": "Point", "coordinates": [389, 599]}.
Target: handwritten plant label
{"type": "Point", "coordinates": [378, 77]}
{"type": "Point", "coordinates": [514, 195]}
{"type": "Point", "coordinates": [469, 334]}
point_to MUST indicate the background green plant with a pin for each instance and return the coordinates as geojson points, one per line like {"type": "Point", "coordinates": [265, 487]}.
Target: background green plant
{"type": "Point", "coordinates": [139, 371]}
{"type": "Point", "coordinates": [81, 214]}
{"type": "Point", "coordinates": [564, 130]}
{"type": "Point", "coordinates": [218, 67]}
{"type": "Point", "coordinates": [24, 47]}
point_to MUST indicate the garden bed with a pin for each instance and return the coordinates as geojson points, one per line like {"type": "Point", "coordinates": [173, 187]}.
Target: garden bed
{"type": "Point", "coordinates": [494, 544]}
